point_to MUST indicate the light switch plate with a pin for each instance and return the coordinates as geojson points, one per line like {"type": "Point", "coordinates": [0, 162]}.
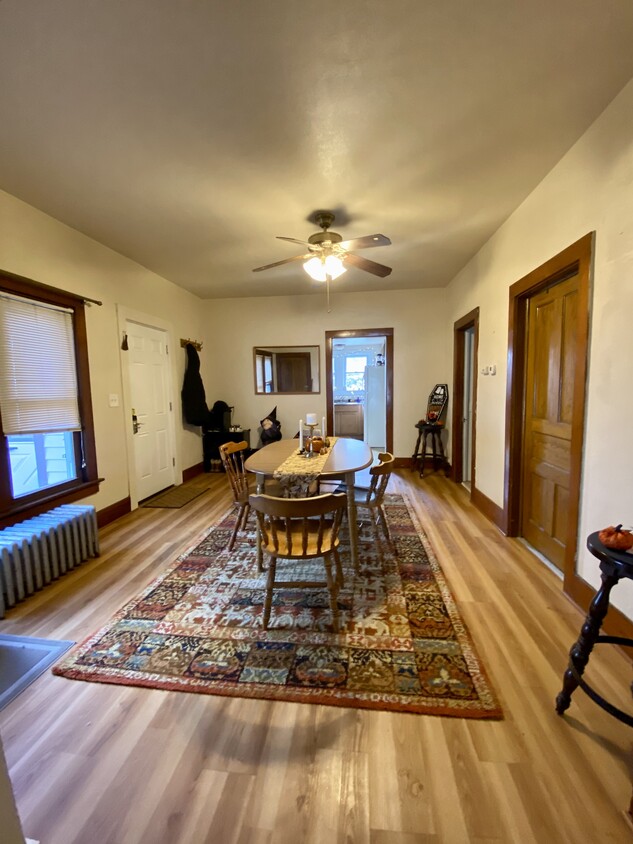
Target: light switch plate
{"type": "Point", "coordinates": [113, 400]}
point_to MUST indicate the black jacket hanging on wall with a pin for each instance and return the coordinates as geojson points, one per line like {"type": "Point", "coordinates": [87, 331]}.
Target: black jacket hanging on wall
{"type": "Point", "coordinates": [194, 405]}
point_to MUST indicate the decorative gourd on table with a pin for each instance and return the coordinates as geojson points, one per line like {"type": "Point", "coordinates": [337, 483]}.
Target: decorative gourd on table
{"type": "Point", "coordinates": [616, 538]}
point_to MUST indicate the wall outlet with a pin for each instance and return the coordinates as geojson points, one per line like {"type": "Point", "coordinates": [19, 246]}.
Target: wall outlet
{"type": "Point", "coordinates": [492, 369]}
{"type": "Point", "coordinates": [484, 370]}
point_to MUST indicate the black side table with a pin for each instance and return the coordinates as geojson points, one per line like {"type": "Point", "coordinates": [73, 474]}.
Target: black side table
{"type": "Point", "coordinates": [425, 431]}
{"type": "Point", "coordinates": [211, 442]}
{"type": "Point", "coordinates": [614, 565]}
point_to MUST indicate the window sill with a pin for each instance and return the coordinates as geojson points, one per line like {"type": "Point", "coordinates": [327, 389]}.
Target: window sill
{"type": "Point", "coordinates": [20, 512]}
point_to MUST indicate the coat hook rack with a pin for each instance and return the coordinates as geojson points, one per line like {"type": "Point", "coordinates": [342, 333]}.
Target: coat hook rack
{"type": "Point", "coordinates": [197, 344]}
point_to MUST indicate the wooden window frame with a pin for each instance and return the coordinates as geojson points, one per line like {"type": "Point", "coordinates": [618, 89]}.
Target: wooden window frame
{"type": "Point", "coordinates": [86, 483]}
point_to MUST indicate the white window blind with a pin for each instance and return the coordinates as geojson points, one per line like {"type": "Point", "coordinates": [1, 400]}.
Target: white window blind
{"type": "Point", "coordinates": [38, 374]}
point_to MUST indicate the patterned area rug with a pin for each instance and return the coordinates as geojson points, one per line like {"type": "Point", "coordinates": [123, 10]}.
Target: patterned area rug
{"type": "Point", "coordinates": [197, 628]}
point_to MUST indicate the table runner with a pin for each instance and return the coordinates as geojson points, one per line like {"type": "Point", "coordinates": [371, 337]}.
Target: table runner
{"type": "Point", "coordinates": [298, 473]}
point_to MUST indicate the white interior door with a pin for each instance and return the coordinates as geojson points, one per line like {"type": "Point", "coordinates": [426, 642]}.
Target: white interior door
{"type": "Point", "coordinates": [148, 369]}
{"type": "Point", "coordinates": [467, 421]}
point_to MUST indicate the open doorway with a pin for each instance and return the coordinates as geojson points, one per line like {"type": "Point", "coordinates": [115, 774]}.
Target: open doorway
{"type": "Point", "coordinates": [359, 385]}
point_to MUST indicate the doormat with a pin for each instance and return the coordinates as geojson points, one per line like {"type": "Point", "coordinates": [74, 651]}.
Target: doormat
{"type": "Point", "coordinates": [174, 498]}
{"type": "Point", "coordinates": [22, 660]}
{"type": "Point", "coordinates": [402, 645]}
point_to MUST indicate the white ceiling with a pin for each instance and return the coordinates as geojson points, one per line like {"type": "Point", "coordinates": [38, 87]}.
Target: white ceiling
{"type": "Point", "coordinates": [186, 134]}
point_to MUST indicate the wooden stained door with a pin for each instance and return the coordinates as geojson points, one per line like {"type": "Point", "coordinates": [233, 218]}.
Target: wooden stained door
{"type": "Point", "coordinates": [293, 372]}
{"type": "Point", "coordinates": [552, 324]}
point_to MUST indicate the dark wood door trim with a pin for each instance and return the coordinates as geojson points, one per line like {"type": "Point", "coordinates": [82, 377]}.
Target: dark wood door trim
{"type": "Point", "coordinates": [576, 259]}
{"type": "Point", "coordinates": [470, 320]}
{"type": "Point", "coordinates": [330, 336]}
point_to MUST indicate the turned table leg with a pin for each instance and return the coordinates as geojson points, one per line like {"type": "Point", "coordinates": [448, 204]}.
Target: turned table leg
{"type": "Point", "coordinates": [581, 649]}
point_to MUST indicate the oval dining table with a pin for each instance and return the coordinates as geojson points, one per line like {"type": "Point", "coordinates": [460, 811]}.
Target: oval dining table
{"type": "Point", "coordinates": [345, 458]}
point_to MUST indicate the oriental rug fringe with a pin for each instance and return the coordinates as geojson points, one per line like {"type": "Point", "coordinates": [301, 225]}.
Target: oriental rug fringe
{"type": "Point", "coordinates": [402, 645]}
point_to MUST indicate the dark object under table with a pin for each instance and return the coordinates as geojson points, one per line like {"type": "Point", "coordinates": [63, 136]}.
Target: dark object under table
{"type": "Point", "coordinates": [211, 442]}
{"type": "Point", "coordinates": [615, 566]}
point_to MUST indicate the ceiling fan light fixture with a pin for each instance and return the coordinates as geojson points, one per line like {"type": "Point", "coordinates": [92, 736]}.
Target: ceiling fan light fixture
{"type": "Point", "coordinates": [320, 268]}
{"type": "Point", "coordinates": [315, 268]}
{"type": "Point", "coordinates": [334, 266]}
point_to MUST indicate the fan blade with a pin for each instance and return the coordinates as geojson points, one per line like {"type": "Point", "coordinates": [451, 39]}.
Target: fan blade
{"type": "Point", "coordinates": [366, 242]}
{"type": "Point", "coordinates": [294, 240]}
{"type": "Point", "coordinates": [367, 265]}
{"type": "Point", "coordinates": [279, 263]}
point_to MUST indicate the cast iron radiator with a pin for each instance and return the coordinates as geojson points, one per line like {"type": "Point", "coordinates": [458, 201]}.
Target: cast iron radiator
{"type": "Point", "coordinates": [39, 550]}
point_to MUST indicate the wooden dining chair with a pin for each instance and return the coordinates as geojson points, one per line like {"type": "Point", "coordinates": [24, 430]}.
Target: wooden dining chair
{"type": "Point", "coordinates": [301, 529]}
{"type": "Point", "coordinates": [370, 500]}
{"type": "Point", "coordinates": [232, 456]}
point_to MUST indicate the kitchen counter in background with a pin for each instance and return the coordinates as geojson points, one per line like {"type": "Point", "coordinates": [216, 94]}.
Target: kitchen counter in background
{"type": "Point", "coordinates": [349, 420]}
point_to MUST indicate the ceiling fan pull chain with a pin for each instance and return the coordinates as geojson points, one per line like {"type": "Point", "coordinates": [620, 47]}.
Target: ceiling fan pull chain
{"type": "Point", "coordinates": [327, 291]}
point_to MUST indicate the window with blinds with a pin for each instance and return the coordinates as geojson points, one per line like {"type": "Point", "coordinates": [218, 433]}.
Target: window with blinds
{"type": "Point", "coordinates": [38, 372]}
{"type": "Point", "coordinates": [45, 414]}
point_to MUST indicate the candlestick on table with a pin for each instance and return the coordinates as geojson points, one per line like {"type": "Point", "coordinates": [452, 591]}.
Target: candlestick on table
{"type": "Point", "coordinates": [311, 426]}
{"type": "Point", "coordinates": [301, 435]}
{"type": "Point", "coordinates": [323, 431]}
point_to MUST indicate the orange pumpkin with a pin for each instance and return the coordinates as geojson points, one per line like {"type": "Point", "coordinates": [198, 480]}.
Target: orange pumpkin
{"type": "Point", "coordinates": [616, 538]}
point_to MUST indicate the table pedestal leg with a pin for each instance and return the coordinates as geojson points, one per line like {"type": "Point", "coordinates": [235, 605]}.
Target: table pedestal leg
{"type": "Point", "coordinates": [352, 519]}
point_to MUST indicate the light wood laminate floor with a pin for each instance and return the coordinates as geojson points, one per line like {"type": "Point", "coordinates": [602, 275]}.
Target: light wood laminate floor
{"type": "Point", "coordinates": [102, 764]}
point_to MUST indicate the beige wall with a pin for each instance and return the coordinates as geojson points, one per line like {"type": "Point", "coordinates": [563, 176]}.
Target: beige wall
{"type": "Point", "coordinates": [39, 247]}
{"type": "Point", "coordinates": [591, 189]}
{"type": "Point", "coordinates": [234, 326]}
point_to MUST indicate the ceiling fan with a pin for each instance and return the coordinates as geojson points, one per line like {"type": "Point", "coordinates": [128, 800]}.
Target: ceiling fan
{"type": "Point", "coordinates": [328, 253]}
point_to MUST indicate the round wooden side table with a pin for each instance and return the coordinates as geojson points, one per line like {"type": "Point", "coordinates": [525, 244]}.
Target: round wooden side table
{"type": "Point", "coordinates": [615, 566]}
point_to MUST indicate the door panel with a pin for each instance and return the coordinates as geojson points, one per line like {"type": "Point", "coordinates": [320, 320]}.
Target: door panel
{"type": "Point", "coordinates": [551, 365]}
{"type": "Point", "coordinates": [149, 372]}
{"type": "Point", "coordinates": [293, 372]}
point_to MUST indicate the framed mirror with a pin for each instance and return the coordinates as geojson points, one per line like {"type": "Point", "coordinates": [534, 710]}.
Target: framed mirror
{"type": "Point", "coordinates": [284, 370]}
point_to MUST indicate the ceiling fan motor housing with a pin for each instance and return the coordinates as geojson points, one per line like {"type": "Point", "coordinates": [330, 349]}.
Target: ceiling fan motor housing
{"type": "Point", "coordinates": [325, 220]}
{"type": "Point", "coordinates": [324, 237]}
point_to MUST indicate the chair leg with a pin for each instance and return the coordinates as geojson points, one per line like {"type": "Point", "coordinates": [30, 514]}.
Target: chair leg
{"type": "Point", "coordinates": [238, 521]}
{"type": "Point", "coordinates": [385, 529]}
{"type": "Point", "coordinates": [270, 582]}
{"type": "Point", "coordinates": [333, 591]}
{"type": "Point", "coordinates": [339, 569]}
{"type": "Point", "coordinates": [247, 510]}
{"type": "Point", "coordinates": [377, 538]}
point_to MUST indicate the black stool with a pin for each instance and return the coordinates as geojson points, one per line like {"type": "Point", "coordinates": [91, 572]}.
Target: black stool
{"type": "Point", "coordinates": [614, 565]}
{"type": "Point", "coordinates": [426, 430]}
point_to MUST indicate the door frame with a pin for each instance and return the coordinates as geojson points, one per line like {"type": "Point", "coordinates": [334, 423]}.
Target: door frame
{"type": "Point", "coordinates": [469, 320]}
{"type": "Point", "coordinates": [387, 333]}
{"type": "Point", "coordinates": [575, 259]}
{"type": "Point", "coordinates": [125, 315]}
